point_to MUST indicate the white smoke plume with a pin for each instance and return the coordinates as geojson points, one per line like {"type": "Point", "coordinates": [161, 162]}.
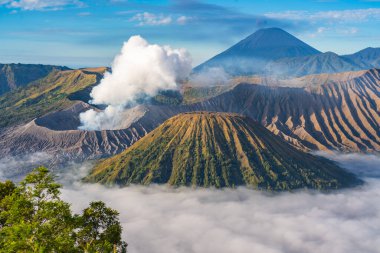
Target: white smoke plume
{"type": "Point", "coordinates": [141, 69]}
{"type": "Point", "coordinates": [109, 119]}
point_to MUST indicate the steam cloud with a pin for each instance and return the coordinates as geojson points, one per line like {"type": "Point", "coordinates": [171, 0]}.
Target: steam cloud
{"type": "Point", "coordinates": [160, 219]}
{"type": "Point", "coordinates": [141, 69]}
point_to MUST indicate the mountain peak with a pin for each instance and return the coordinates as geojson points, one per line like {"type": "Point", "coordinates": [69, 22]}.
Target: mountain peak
{"type": "Point", "coordinates": [218, 150]}
{"type": "Point", "coordinates": [250, 55]}
{"type": "Point", "coordinates": [268, 36]}
{"type": "Point", "coordinates": [272, 43]}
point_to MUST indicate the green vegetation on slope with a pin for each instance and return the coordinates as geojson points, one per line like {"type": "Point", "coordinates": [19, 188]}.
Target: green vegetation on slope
{"type": "Point", "coordinates": [33, 218]}
{"type": "Point", "coordinates": [13, 76]}
{"type": "Point", "coordinates": [167, 97]}
{"type": "Point", "coordinates": [194, 94]}
{"type": "Point", "coordinates": [221, 150]}
{"type": "Point", "coordinates": [54, 92]}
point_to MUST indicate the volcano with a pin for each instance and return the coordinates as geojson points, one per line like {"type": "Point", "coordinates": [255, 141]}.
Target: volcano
{"type": "Point", "coordinates": [219, 150]}
{"type": "Point", "coordinates": [250, 55]}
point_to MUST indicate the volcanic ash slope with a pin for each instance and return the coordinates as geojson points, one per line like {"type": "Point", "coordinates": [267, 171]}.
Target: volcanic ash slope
{"type": "Point", "coordinates": [218, 150]}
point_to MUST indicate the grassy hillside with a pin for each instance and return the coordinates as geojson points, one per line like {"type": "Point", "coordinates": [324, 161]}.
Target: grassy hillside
{"type": "Point", "coordinates": [221, 150]}
{"type": "Point", "coordinates": [13, 76]}
{"type": "Point", "coordinates": [54, 92]}
{"type": "Point", "coordinates": [194, 94]}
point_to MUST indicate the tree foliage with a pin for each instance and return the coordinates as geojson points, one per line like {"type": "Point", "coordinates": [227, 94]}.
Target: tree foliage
{"type": "Point", "coordinates": [33, 218]}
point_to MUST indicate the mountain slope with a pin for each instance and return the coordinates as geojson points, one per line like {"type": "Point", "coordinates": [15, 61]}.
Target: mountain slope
{"type": "Point", "coordinates": [338, 115]}
{"type": "Point", "coordinates": [367, 58]}
{"type": "Point", "coordinates": [54, 92]}
{"type": "Point", "coordinates": [273, 51]}
{"type": "Point", "coordinates": [316, 64]}
{"type": "Point", "coordinates": [250, 55]}
{"type": "Point", "coordinates": [222, 150]}
{"type": "Point", "coordinates": [13, 76]}
{"type": "Point", "coordinates": [319, 112]}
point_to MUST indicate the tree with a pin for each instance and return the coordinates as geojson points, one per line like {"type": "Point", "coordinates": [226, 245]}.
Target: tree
{"type": "Point", "coordinates": [100, 229]}
{"type": "Point", "coordinates": [6, 188]}
{"type": "Point", "coordinates": [33, 218]}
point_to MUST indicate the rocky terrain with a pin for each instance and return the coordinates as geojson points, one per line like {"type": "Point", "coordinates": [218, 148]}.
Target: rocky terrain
{"type": "Point", "coordinates": [220, 150]}
{"type": "Point", "coordinates": [342, 113]}
{"type": "Point", "coordinates": [326, 111]}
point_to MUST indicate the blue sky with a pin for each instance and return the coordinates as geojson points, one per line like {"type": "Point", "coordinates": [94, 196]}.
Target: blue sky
{"type": "Point", "coordinates": [81, 33]}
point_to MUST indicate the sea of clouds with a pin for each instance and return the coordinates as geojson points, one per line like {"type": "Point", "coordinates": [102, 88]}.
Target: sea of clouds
{"type": "Point", "coordinates": [186, 220]}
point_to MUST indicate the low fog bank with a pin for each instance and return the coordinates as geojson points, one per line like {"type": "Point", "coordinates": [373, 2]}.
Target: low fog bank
{"type": "Point", "coordinates": [185, 220]}
{"type": "Point", "coordinates": [162, 219]}
{"type": "Point", "coordinates": [158, 219]}
{"type": "Point", "coordinates": [360, 164]}
{"type": "Point", "coordinates": [16, 167]}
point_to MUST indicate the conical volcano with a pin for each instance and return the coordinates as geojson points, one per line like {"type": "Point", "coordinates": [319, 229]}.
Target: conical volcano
{"type": "Point", "coordinates": [218, 150]}
{"type": "Point", "coordinates": [250, 55]}
{"type": "Point", "coordinates": [272, 44]}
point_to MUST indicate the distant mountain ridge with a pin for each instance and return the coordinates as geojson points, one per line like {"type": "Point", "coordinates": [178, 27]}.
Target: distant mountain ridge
{"type": "Point", "coordinates": [14, 75]}
{"type": "Point", "coordinates": [368, 57]}
{"type": "Point", "coordinates": [210, 149]}
{"type": "Point", "coordinates": [328, 62]}
{"type": "Point", "coordinates": [274, 52]}
{"type": "Point", "coordinates": [56, 91]}
{"type": "Point", "coordinates": [263, 46]}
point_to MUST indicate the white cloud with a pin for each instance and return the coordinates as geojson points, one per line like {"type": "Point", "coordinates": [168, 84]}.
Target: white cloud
{"type": "Point", "coordinates": [292, 15]}
{"type": "Point", "coordinates": [362, 165]}
{"type": "Point", "coordinates": [321, 29]}
{"type": "Point", "coordinates": [160, 219]}
{"type": "Point", "coordinates": [40, 4]}
{"type": "Point", "coordinates": [182, 20]}
{"type": "Point", "coordinates": [156, 219]}
{"type": "Point", "coordinates": [340, 16]}
{"type": "Point", "coordinates": [349, 15]}
{"type": "Point", "coordinates": [350, 30]}
{"type": "Point", "coordinates": [15, 167]}
{"type": "Point", "coordinates": [141, 69]}
{"type": "Point", "coordinates": [147, 18]}
{"type": "Point", "coordinates": [185, 220]}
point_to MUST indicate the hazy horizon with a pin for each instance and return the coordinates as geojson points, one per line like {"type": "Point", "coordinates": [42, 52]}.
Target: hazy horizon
{"type": "Point", "coordinates": [87, 34]}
